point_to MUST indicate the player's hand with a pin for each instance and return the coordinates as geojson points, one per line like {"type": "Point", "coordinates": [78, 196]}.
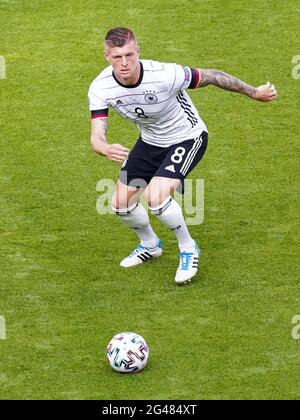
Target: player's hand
{"type": "Point", "coordinates": [117, 152]}
{"type": "Point", "coordinates": [266, 93]}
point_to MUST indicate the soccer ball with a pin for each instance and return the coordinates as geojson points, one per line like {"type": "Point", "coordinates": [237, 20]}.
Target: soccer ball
{"type": "Point", "coordinates": [127, 352]}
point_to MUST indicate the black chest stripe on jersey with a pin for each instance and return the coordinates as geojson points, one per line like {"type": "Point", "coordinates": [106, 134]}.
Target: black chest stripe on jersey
{"type": "Point", "coordinates": [187, 109]}
{"type": "Point", "coordinates": [183, 100]}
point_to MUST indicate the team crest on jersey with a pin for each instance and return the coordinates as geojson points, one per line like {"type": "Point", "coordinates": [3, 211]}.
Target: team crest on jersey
{"type": "Point", "coordinates": [151, 98]}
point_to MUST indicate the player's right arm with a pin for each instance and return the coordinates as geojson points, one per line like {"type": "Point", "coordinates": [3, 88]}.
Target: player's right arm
{"type": "Point", "coordinates": [114, 152]}
{"type": "Point", "coordinates": [99, 115]}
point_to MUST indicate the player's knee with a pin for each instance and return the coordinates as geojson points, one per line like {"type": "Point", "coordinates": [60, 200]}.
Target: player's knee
{"type": "Point", "coordinates": [117, 207]}
{"type": "Point", "coordinates": [119, 201]}
{"type": "Point", "coordinates": [158, 208]}
{"type": "Point", "coordinates": [124, 197]}
{"type": "Point", "coordinates": [120, 207]}
{"type": "Point", "coordinates": [155, 198]}
{"type": "Point", "coordinates": [152, 197]}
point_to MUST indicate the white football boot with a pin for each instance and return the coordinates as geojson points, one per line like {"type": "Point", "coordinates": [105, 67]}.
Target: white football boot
{"type": "Point", "coordinates": [188, 265]}
{"type": "Point", "coordinates": [142, 254]}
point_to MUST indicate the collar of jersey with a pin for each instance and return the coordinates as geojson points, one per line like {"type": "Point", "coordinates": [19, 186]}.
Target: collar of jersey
{"type": "Point", "coordinates": [136, 84]}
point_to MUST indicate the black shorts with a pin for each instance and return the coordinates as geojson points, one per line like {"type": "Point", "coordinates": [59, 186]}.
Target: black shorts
{"type": "Point", "coordinates": [146, 161]}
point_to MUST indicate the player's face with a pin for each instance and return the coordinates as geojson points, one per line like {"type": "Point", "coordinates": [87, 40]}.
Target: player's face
{"type": "Point", "coordinates": [125, 62]}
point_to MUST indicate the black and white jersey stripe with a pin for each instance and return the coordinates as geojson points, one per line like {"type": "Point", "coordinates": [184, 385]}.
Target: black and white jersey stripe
{"type": "Point", "coordinates": [187, 109]}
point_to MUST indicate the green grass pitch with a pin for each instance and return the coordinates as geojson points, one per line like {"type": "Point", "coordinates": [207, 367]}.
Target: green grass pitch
{"type": "Point", "coordinates": [228, 335]}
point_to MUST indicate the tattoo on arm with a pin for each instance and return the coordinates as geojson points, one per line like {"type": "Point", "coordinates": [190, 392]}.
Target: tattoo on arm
{"type": "Point", "coordinates": [98, 134]}
{"type": "Point", "coordinates": [103, 130]}
{"type": "Point", "coordinates": [226, 81]}
{"type": "Point", "coordinates": [104, 125]}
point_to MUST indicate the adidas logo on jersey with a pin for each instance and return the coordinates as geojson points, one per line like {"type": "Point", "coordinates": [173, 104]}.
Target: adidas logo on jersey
{"type": "Point", "coordinates": [170, 168]}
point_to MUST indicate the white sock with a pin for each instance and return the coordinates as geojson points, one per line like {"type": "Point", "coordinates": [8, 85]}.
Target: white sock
{"type": "Point", "coordinates": [170, 213]}
{"type": "Point", "coordinates": [137, 219]}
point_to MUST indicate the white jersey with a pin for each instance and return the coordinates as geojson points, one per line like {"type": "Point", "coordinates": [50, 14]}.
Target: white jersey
{"type": "Point", "coordinates": [157, 104]}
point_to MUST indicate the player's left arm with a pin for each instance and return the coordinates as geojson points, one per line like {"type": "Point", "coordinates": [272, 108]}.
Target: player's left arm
{"type": "Point", "coordinates": [264, 93]}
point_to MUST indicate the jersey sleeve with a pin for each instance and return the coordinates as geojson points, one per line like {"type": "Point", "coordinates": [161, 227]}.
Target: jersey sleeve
{"type": "Point", "coordinates": [97, 105]}
{"type": "Point", "coordinates": [178, 77]}
{"type": "Point", "coordinates": [182, 77]}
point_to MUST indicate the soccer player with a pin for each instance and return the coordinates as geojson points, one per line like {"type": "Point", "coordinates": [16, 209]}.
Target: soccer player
{"type": "Point", "coordinates": [173, 139]}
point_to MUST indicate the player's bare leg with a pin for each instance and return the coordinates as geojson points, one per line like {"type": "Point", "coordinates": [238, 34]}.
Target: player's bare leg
{"type": "Point", "coordinates": [125, 204]}
{"type": "Point", "coordinates": [125, 195]}
{"type": "Point", "coordinates": [159, 195]}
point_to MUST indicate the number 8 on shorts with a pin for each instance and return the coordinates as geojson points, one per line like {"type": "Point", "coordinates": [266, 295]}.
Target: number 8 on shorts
{"type": "Point", "coordinates": [178, 155]}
